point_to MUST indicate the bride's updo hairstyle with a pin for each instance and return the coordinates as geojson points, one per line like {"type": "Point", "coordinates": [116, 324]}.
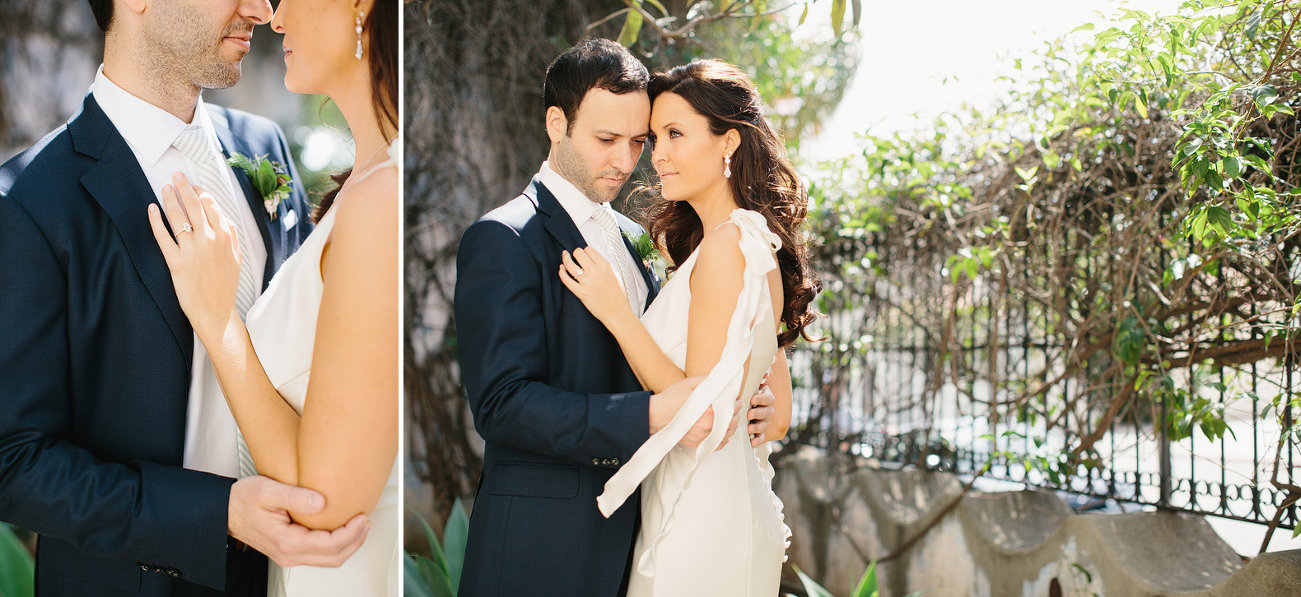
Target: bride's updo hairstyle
{"type": "Point", "coordinates": [381, 55]}
{"type": "Point", "coordinates": [762, 180]}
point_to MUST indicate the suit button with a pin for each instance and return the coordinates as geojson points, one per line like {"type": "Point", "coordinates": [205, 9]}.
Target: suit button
{"type": "Point", "coordinates": [144, 567]}
{"type": "Point", "coordinates": [173, 574]}
{"type": "Point", "coordinates": [614, 461]}
{"type": "Point", "coordinates": [606, 462]}
{"type": "Point", "coordinates": [596, 462]}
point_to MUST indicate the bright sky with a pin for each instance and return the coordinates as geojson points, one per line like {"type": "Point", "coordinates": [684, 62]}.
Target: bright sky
{"type": "Point", "coordinates": [927, 57]}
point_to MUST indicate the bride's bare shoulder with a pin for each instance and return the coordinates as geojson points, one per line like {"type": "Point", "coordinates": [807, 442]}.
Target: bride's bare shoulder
{"type": "Point", "coordinates": [720, 253]}
{"type": "Point", "coordinates": [368, 208]}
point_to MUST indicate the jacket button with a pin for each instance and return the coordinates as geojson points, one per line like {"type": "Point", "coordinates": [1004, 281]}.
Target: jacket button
{"type": "Point", "coordinates": [614, 461]}
{"type": "Point", "coordinates": [144, 567]}
{"type": "Point", "coordinates": [173, 574]}
{"type": "Point", "coordinates": [606, 462]}
{"type": "Point", "coordinates": [596, 462]}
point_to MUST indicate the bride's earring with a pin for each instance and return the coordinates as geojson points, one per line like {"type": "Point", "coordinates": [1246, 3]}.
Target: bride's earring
{"type": "Point", "coordinates": [727, 166]}
{"type": "Point", "coordinates": [360, 15]}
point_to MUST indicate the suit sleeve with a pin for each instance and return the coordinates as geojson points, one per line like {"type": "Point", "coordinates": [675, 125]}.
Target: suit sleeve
{"type": "Point", "coordinates": [165, 517]}
{"type": "Point", "coordinates": [504, 361]}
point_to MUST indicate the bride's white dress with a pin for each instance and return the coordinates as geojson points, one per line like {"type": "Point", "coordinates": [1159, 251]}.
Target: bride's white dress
{"type": "Point", "coordinates": [711, 524]}
{"type": "Point", "coordinates": [282, 325]}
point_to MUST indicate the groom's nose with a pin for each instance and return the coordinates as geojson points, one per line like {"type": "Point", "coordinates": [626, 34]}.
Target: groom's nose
{"type": "Point", "coordinates": [258, 11]}
{"type": "Point", "coordinates": [626, 159]}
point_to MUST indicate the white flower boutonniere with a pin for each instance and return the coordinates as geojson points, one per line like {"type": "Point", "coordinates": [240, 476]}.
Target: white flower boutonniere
{"type": "Point", "coordinates": [270, 178]}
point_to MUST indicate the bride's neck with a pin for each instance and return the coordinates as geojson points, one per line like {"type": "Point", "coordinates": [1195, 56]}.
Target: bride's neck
{"type": "Point", "coordinates": [714, 205]}
{"type": "Point", "coordinates": [368, 136]}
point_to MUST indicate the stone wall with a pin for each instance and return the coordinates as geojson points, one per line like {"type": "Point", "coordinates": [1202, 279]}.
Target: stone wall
{"type": "Point", "coordinates": [1004, 544]}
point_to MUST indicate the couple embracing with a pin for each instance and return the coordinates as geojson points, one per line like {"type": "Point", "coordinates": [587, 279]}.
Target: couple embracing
{"type": "Point", "coordinates": [197, 367]}
{"type": "Point", "coordinates": [610, 407]}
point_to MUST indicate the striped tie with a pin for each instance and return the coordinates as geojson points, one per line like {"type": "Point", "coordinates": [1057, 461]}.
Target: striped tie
{"type": "Point", "coordinates": [618, 253]}
{"type": "Point", "coordinates": [212, 176]}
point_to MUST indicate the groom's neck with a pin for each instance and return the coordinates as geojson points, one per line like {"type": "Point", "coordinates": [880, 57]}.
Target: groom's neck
{"type": "Point", "coordinates": [147, 78]}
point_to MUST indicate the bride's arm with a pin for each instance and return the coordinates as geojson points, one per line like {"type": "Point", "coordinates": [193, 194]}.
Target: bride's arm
{"type": "Point", "coordinates": [604, 298]}
{"type": "Point", "coordinates": [204, 267]}
{"type": "Point", "coordinates": [345, 443]}
{"type": "Point", "coordinates": [348, 438]}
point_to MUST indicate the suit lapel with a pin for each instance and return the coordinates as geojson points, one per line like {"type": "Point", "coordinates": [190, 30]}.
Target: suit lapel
{"type": "Point", "coordinates": [558, 224]}
{"type": "Point", "coordinates": [229, 146]}
{"type": "Point", "coordinates": [562, 228]}
{"type": "Point", "coordinates": [119, 186]}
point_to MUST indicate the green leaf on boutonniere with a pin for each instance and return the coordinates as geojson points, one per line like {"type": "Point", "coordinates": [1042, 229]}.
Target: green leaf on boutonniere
{"type": "Point", "coordinates": [645, 248]}
{"type": "Point", "coordinates": [270, 178]}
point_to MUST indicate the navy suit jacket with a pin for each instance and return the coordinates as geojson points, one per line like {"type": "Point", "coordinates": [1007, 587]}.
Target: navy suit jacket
{"type": "Point", "coordinates": [95, 361]}
{"type": "Point", "coordinates": [556, 403]}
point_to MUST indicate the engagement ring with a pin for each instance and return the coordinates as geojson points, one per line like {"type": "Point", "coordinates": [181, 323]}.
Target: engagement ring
{"type": "Point", "coordinates": [186, 227]}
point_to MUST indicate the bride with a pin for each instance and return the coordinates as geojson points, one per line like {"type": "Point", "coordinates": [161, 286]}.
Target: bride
{"type": "Point", "coordinates": [311, 372]}
{"type": "Point", "coordinates": [727, 212]}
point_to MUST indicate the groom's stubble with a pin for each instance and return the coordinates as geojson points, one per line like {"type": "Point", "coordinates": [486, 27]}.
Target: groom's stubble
{"type": "Point", "coordinates": [570, 165]}
{"type": "Point", "coordinates": [184, 45]}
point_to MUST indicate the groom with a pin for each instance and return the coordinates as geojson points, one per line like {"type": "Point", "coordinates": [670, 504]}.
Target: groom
{"type": "Point", "coordinates": [116, 445]}
{"type": "Point", "coordinates": [556, 403]}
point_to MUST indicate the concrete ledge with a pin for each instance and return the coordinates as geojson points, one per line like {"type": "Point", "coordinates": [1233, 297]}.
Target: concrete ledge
{"type": "Point", "coordinates": [1026, 543]}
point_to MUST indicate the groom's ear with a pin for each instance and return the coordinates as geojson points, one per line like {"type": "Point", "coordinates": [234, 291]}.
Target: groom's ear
{"type": "Point", "coordinates": [557, 124]}
{"type": "Point", "coordinates": [135, 6]}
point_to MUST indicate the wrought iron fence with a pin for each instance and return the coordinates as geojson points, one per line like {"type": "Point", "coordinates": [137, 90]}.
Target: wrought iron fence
{"type": "Point", "coordinates": [879, 387]}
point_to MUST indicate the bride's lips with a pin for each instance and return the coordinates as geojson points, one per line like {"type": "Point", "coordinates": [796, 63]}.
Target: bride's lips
{"type": "Point", "coordinates": [664, 175]}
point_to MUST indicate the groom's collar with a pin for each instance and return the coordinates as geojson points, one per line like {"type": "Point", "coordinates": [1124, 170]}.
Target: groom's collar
{"type": "Point", "coordinates": [576, 204]}
{"type": "Point", "coordinates": [148, 129]}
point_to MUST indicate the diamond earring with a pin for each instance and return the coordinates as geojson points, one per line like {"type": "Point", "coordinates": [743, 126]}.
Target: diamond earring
{"type": "Point", "coordinates": [360, 15]}
{"type": "Point", "coordinates": [727, 166]}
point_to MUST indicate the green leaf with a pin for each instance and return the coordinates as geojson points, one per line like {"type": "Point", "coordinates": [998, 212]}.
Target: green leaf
{"type": "Point", "coordinates": [813, 589]}
{"type": "Point", "coordinates": [804, 15]}
{"type": "Point", "coordinates": [1232, 167]}
{"type": "Point", "coordinates": [1253, 23]}
{"type": "Point", "coordinates": [16, 567]}
{"type": "Point", "coordinates": [837, 16]}
{"type": "Point", "coordinates": [1084, 27]}
{"type": "Point", "coordinates": [867, 584]}
{"type": "Point", "coordinates": [657, 4]}
{"type": "Point", "coordinates": [1219, 219]}
{"type": "Point", "coordinates": [455, 535]}
{"type": "Point", "coordinates": [413, 583]}
{"type": "Point", "coordinates": [631, 27]}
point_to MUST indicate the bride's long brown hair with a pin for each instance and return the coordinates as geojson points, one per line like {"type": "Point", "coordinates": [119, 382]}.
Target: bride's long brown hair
{"type": "Point", "coordinates": [382, 59]}
{"type": "Point", "coordinates": [762, 180]}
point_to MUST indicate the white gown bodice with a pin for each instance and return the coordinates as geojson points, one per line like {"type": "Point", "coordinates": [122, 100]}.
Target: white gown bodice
{"type": "Point", "coordinates": [711, 524]}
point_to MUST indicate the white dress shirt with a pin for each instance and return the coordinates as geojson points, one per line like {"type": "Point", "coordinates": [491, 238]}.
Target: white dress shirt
{"type": "Point", "coordinates": [580, 209]}
{"type": "Point", "coordinates": [150, 132]}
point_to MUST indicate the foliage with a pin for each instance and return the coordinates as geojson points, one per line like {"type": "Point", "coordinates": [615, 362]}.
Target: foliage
{"type": "Point", "coordinates": [867, 585]}
{"type": "Point", "coordinates": [17, 570]}
{"type": "Point", "coordinates": [1131, 207]}
{"type": "Point", "coordinates": [439, 575]}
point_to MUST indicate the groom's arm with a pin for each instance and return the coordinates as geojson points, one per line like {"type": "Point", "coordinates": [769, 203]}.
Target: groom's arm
{"type": "Point", "coordinates": [504, 359]}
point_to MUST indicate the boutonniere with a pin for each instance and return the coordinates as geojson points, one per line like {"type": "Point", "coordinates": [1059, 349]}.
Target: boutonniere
{"type": "Point", "coordinates": [270, 178]}
{"type": "Point", "coordinates": [650, 257]}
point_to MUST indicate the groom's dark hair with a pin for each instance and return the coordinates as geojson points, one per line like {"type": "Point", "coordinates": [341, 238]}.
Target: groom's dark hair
{"type": "Point", "coordinates": [103, 10]}
{"type": "Point", "coordinates": [593, 63]}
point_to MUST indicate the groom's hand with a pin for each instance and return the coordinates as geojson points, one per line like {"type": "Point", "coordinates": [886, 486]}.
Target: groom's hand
{"type": "Point", "coordinates": [666, 404]}
{"type": "Point", "coordinates": [761, 411]}
{"type": "Point", "coordinates": [258, 515]}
